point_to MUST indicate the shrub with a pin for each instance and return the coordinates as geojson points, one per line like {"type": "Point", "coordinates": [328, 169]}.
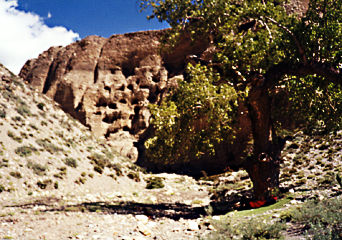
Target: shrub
{"type": "Point", "coordinates": [252, 229]}
{"type": "Point", "coordinates": [99, 161]}
{"type": "Point", "coordinates": [25, 151]}
{"type": "Point", "coordinates": [14, 137]}
{"type": "Point", "coordinates": [37, 168]}
{"type": "Point", "coordinates": [321, 219]}
{"type": "Point", "coordinates": [41, 106]}
{"type": "Point", "coordinates": [154, 182]}
{"type": "Point", "coordinates": [44, 184]}
{"type": "Point", "coordinates": [23, 109]}
{"type": "Point", "coordinates": [16, 174]}
{"type": "Point", "coordinates": [192, 121]}
{"type": "Point", "coordinates": [71, 162]}
{"type": "Point", "coordinates": [48, 146]}
{"type": "Point", "coordinates": [2, 113]}
{"type": "Point", "coordinates": [134, 175]}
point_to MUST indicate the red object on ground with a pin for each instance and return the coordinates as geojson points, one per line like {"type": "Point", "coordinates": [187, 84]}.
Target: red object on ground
{"type": "Point", "coordinates": [260, 203]}
{"type": "Point", "coordinates": [257, 204]}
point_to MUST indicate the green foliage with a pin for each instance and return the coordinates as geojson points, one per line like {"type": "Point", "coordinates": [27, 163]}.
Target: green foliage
{"type": "Point", "coordinates": [321, 219]}
{"type": "Point", "coordinates": [251, 37]}
{"type": "Point", "coordinates": [194, 120]}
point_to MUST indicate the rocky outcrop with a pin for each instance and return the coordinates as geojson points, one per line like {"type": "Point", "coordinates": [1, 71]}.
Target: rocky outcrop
{"type": "Point", "coordinates": [107, 84]}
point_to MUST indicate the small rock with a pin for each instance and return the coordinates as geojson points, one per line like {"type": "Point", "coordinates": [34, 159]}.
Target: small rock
{"type": "Point", "coordinates": [142, 218]}
{"type": "Point", "coordinates": [144, 230]}
{"type": "Point", "coordinates": [193, 226]}
{"type": "Point", "coordinates": [211, 227]}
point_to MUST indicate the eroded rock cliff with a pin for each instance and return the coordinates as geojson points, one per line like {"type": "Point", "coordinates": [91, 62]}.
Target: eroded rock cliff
{"type": "Point", "coordinates": [107, 84]}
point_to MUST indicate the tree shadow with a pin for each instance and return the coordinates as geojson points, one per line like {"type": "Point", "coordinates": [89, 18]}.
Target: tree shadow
{"type": "Point", "coordinates": [173, 211]}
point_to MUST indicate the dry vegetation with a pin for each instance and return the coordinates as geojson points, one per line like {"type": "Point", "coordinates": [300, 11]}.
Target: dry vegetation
{"type": "Point", "coordinates": [58, 182]}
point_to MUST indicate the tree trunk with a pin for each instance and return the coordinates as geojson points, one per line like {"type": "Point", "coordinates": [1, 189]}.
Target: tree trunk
{"type": "Point", "coordinates": [264, 174]}
{"type": "Point", "coordinates": [263, 165]}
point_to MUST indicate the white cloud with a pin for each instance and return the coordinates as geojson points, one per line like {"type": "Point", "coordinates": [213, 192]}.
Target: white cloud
{"type": "Point", "coordinates": [24, 35]}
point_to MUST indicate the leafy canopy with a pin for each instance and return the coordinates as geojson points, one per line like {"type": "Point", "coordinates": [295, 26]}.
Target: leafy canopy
{"type": "Point", "coordinates": [193, 120]}
{"type": "Point", "coordinates": [300, 53]}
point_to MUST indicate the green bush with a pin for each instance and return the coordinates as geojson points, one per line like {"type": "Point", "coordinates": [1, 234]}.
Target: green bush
{"type": "Point", "coordinates": [23, 109]}
{"type": "Point", "coordinates": [25, 151]}
{"type": "Point", "coordinates": [48, 146]}
{"type": "Point", "coordinates": [154, 182]}
{"type": "Point", "coordinates": [321, 219]}
{"type": "Point", "coordinates": [248, 230]}
{"type": "Point", "coordinates": [44, 184]}
{"type": "Point", "coordinates": [99, 161]}
{"type": "Point", "coordinates": [37, 168]}
{"type": "Point", "coordinates": [193, 120]}
{"type": "Point", "coordinates": [71, 162]}
{"type": "Point", "coordinates": [2, 113]}
{"type": "Point", "coordinates": [16, 174]}
{"type": "Point", "coordinates": [14, 137]}
{"type": "Point", "coordinates": [41, 106]}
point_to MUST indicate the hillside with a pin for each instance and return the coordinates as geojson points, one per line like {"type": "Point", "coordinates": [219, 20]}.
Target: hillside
{"type": "Point", "coordinates": [58, 181]}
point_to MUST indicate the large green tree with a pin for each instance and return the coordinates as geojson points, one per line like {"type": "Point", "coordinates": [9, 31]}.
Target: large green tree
{"type": "Point", "coordinates": [260, 48]}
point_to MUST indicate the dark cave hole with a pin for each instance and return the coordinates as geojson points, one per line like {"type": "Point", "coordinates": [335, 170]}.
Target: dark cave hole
{"type": "Point", "coordinates": [112, 106]}
{"type": "Point", "coordinates": [124, 101]}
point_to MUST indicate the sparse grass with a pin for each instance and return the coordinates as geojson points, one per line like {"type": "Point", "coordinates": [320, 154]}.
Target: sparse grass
{"type": "Point", "coordinates": [2, 188]}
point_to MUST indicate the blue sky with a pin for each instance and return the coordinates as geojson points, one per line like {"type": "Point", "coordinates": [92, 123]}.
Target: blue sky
{"type": "Point", "coordinates": [92, 17]}
{"type": "Point", "coordinates": [30, 27]}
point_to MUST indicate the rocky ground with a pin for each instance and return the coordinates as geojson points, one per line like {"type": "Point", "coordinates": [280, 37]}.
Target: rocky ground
{"type": "Point", "coordinates": [57, 181]}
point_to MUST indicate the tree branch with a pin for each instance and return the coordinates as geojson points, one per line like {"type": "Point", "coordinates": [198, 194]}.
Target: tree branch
{"type": "Point", "coordinates": [298, 44]}
{"type": "Point", "coordinates": [276, 73]}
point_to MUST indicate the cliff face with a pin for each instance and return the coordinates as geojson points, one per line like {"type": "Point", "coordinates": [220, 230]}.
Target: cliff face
{"type": "Point", "coordinates": [108, 83]}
